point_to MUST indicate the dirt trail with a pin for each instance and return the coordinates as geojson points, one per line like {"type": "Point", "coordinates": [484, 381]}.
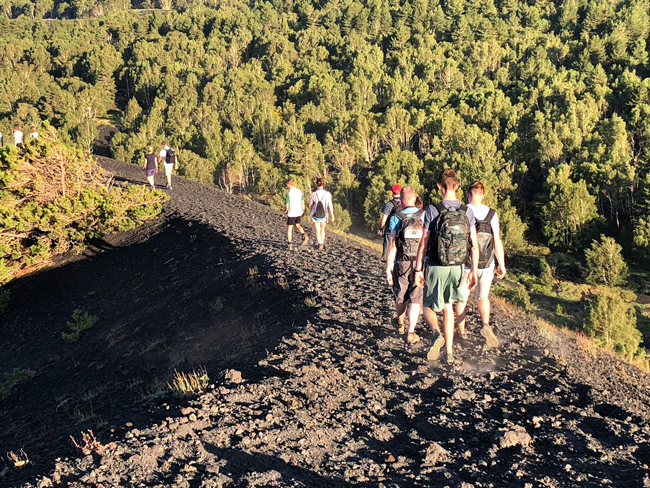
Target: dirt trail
{"type": "Point", "coordinates": [330, 396]}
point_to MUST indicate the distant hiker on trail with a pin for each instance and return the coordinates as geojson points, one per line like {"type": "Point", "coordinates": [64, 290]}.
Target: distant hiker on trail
{"type": "Point", "coordinates": [18, 137]}
{"type": "Point", "coordinates": [320, 204]}
{"type": "Point", "coordinates": [390, 208]}
{"type": "Point", "coordinates": [295, 209]}
{"type": "Point", "coordinates": [405, 235]}
{"type": "Point", "coordinates": [33, 133]}
{"type": "Point", "coordinates": [2, 142]}
{"type": "Point", "coordinates": [151, 167]}
{"type": "Point", "coordinates": [449, 228]}
{"type": "Point", "coordinates": [170, 162]}
{"type": "Point", "coordinates": [490, 247]}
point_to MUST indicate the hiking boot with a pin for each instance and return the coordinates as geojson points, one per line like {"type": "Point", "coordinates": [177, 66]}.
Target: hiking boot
{"type": "Point", "coordinates": [412, 338]}
{"type": "Point", "coordinates": [305, 239]}
{"type": "Point", "coordinates": [490, 339]}
{"type": "Point", "coordinates": [436, 346]}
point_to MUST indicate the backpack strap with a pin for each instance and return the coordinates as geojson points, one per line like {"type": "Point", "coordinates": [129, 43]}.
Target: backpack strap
{"type": "Point", "coordinates": [490, 216]}
{"type": "Point", "coordinates": [440, 207]}
{"type": "Point", "coordinates": [463, 208]}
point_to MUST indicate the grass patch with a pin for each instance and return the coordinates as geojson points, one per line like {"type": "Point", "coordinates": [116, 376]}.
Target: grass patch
{"type": "Point", "coordinates": [188, 384]}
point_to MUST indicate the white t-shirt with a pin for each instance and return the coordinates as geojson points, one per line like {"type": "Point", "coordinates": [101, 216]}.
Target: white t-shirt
{"type": "Point", "coordinates": [33, 135]}
{"type": "Point", "coordinates": [163, 154]}
{"type": "Point", "coordinates": [18, 137]}
{"type": "Point", "coordinates": [294, 199]}
{"type": "Point", "coordinates": [323, 196]}
{"type": "Point", "coordinates": [480, 212]}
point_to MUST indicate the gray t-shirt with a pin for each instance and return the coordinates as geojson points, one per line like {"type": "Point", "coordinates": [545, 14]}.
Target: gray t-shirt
{"type": "Point", "coordinates": [431, 216]}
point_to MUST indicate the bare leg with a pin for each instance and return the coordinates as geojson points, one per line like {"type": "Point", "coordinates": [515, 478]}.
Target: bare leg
{"type": "Point", "coordinates": [300, 229]}
{"type": "Point", "coordinates": [461, 313]}
{"type": "Point", "coordinates": [150, 179]}
{"type": "Point", "coordinates": [484, 310]}
{"type": "Point", "coordinates": [322, 231]}
{"type": "Point", "coordinates": [289, 233]}
{"type": "Point", "coordinates": [448, 318]}
{"type": "Point", "coordinates": [431, 319]}
{"type": "Point", "coordinates": [414, 315]}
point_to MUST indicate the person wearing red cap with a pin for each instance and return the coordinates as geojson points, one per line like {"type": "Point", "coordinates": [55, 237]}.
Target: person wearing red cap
{"type": "Point", "coordinates": [390, 208]}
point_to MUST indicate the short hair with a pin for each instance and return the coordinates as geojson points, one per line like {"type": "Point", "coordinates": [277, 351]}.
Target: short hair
{"type": "Point", "coordinates": [407, 193]}
{"type": "Point", "coordinates": [320, 182]}
{"type": "Point", "coordinates": [478, 187]}
{"type": "Point", "coordinates": [448, 179]}
{"type": "Point", "coordinates": [291, 182]}
{"type": "Point", "coordinates": [150, 149]}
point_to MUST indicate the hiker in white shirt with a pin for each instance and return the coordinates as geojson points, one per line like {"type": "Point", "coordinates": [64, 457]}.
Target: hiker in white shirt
{"type": "Point", "coordinates": [320, 206]}
{"type": "Point", "coordinates": [18, 137]}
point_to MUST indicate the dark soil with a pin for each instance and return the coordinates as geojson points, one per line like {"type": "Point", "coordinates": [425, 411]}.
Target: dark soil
{"type": "Point", "coordinates": [329, 396]}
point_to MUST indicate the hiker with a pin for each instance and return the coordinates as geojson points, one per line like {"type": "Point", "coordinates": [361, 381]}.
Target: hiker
{"type": "Point", "coordinates": [18, 137]}
{"type": "Point", "coordinates": [449, 234]}
{"type": "Point", "coordinates": [151, 167]}
{"type": "Point", "coordinates": [490, 247]}
{"type": "Point", "coordinates": [320, 204]}
{"type": "Point", "coordinates": [390, 208]}
{"type": "Point", "coordinates": [295, 209]}
{"type": "Point", "coordinates": [405, 235]}
{"type": "Point", "coordinates": [170, 162]}
{"type": "Point", "coordinates": [2, 142]}
{"type": "Point", "coordinates": [33, 133]}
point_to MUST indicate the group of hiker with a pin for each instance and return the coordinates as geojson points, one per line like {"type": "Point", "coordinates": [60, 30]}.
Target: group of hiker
{"type": "Point", "coordinates": [19, 136]}
{"type": "Point", "coordinates": [167, 157]}
{"type": "Point", "coordinates": [320, 210]}
{"type": "Point", "coordinates": [436, 256]}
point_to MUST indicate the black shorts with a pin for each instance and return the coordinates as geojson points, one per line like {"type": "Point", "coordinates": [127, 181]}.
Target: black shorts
{"type": "Point", "coordinates": [293, 220]}
{"type": "Point", "coordinates": [404, 287]}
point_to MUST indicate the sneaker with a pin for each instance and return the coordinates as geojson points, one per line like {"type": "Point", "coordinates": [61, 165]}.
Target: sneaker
{"type": "Point", "coordinates": [412, 338]}
{"type": "Point", "coordinates": [490, 339]}
{"type": "Point", "coordinates": [168, 187]}
{"type": "Point", "coordinates": [450, 359]}
{"type": "Point", "coordinates": [305, 239]}
{"type": "Point", "coordinates": [463, 335]}
{"type": "Point", "coordinates": [436, 346]}
{"type": "Point", "coordinates": [290, 247]}
{"type": "Point", "coordinates": [321, 247]}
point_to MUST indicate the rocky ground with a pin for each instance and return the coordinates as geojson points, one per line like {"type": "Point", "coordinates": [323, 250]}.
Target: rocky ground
{"type": "Point", "coordinates": [310, 385]}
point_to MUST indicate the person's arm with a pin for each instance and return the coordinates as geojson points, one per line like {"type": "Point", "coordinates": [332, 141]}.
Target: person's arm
{"type": "Point", "coordinates": [145, 163]}
{"type": "Point", "coordinates": [475, 257]}
{"type": "Point", "coordinates": [286, 204]}
{"type": "Point", "coordinates": [390, 258]}
{"type": "Point", "coordinates": [500, 255]}
{"type": "Point", "coordinates": [331, 207]}
{"type": "Point", "coordinates": [382, 223]}
{"type": "Point", "coordinates": [419, 261]}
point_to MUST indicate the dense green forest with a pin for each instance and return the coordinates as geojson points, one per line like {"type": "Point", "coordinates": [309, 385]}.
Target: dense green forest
{"type": "Point", "coordinates": [546, 102]}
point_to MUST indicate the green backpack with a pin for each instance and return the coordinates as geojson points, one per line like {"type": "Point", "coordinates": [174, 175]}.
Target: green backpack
{"type": "Point", "coordinates": [449, 242]}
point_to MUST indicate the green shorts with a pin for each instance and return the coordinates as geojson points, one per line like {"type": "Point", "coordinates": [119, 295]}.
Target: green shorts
{"type": "Point", "coordinates": [442, 285]}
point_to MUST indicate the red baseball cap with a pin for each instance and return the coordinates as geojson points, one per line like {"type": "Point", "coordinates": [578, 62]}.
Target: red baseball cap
{"type": "Point", "coordinates": [396, 188]}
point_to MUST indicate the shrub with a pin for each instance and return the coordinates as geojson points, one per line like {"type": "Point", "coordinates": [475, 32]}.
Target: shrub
{"type": "Point", "coordinates": [53, 199]}
{"type": "Point", "coordinates": [612, 323]}
{"type": "Point", "coordinates": [81, 321]}
{"type": "Point", "coordinates": [343, 220]}
{"type": "Point", "coordinates": [605, 265]}
{"type": "Point", "coordinates": [517, 296]}
{"type": "Point", "coordinates": [16, 377]}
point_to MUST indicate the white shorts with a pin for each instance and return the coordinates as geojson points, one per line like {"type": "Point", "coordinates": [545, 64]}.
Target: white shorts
{"type": "Point", "coordinates": [485, 277]}
{"type": "Point", "coordinates": [168, 169]}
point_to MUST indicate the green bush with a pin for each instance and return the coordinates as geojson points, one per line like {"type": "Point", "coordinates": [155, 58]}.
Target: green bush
{"type": "Point", "coordinates": [612, 323]}
{"type": "Point", "coordinates": [343, 220]}
{"type": "Point", "coordinates": [517, 296]}
{"type": "Point", "coordinates": [81, 321]}
{"type": "Point", "coordinates": [11, 380]}
{"type": "Point", "coordinates": [604, 263]}
{"type": "Point", "coordinates": [53, 199]}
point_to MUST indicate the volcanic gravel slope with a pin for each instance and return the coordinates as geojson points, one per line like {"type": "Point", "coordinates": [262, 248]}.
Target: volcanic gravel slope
{"type": "Point", "coordinates": [342, 400]}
